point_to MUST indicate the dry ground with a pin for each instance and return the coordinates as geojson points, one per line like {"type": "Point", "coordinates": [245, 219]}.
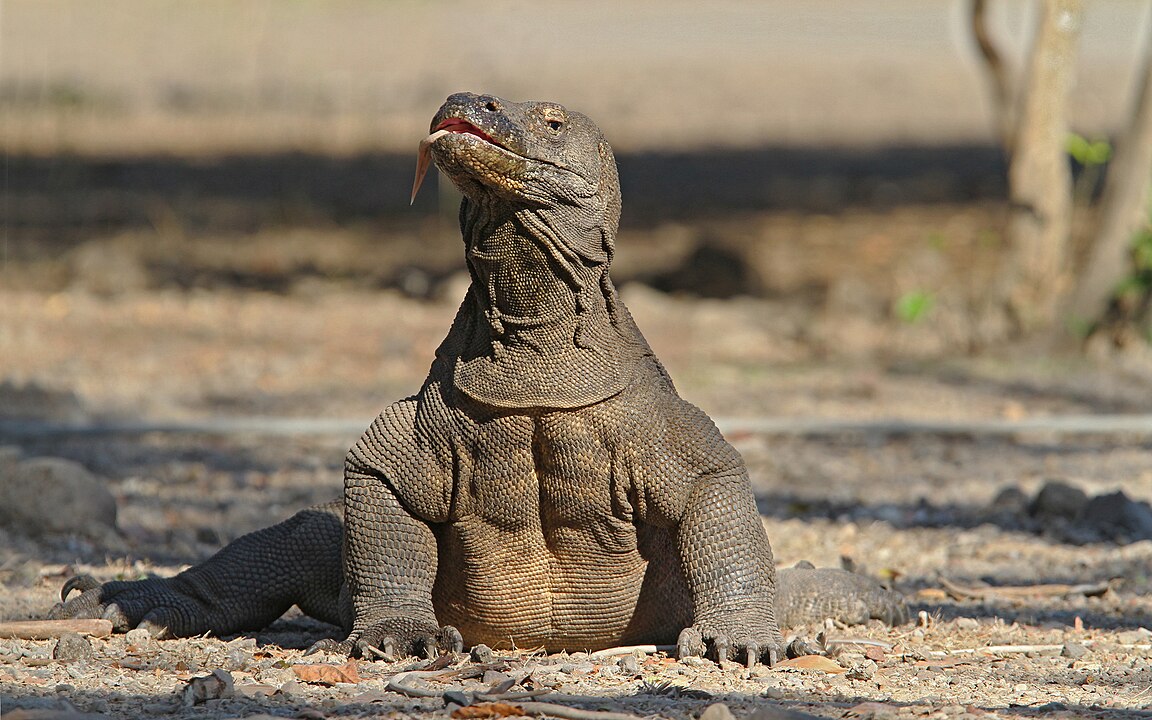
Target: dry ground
{"type": "Point", "coordinates": [204, 218]}
{"type": "Point", "coordinates": [910, 509]}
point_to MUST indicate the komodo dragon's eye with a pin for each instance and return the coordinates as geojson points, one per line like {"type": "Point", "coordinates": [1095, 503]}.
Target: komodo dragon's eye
{"type": "Point", "coordinates": [554, 119]}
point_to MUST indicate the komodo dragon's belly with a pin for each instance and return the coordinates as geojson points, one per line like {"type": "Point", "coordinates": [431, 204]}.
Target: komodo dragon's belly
{"type": "Point", "coordinates": [539, 551]}
{"type": "Point", "coordinates": [519, 592]}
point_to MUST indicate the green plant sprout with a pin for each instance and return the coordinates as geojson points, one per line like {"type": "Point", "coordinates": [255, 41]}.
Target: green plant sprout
{"type": "Point", "coordinates": [914, 306]}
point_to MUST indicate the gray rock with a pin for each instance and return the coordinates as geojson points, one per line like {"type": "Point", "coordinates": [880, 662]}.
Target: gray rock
{"type": "Point", "coordinates": [629, 665]}
{"type": "Point", "coordinates": [1074, 651]}
{"type": "Point", "coordinates": [35, 402]}
{"type": "Point", "coordinates": [72, 647]}
{"type": "Point", "coordinates": [139, 637]}
{"type": "Point", "coordinates": [1058, 500]}
{"type": "Point", "coordinates": [52, 496]}
{"type": "Point", "coordinates": [1117, 516]}
{"type": "Point", "coordinates": [1011, 500]}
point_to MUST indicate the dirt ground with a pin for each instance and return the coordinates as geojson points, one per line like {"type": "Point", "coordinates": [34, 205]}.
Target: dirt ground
{"type": "Point", "coordinates": [914, 510]}
{"type": "Point", "coordinates": [204, 234]}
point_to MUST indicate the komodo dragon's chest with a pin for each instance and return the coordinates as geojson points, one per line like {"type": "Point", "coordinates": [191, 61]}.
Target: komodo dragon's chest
{"type": "Point", "coordinates": [543, 545]}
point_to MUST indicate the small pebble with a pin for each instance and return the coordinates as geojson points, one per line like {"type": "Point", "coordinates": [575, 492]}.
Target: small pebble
{"type": "Point", "coordinates": [629, 665]}
{"type": "Point", "coordinates": [967, 623]}
{"type": "Point", "coordinates": [717, 711]}
{"type": "Point", "coordinates": [491, 677]}
{"type": "Point", "coordinates": [481, 654]}
{"type": "Point", "coordinates": [1073, 650]}
{"type": "Point", "coordinates": [72, 647]}
{"type": "Point", "coordinates": [138, 637]}
{"type": "Point", "coordinates": [862, 670]}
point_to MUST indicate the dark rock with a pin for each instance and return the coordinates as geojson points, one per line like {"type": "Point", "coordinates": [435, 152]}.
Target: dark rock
{"type": "Point", "coordinates": [1058, 500]}
{"type": "Point", "coordinates": [1011, 500]}
{"type": "Point", "coordinates": [52, 496]}
{"type": "Point", "coordinates": [1119, 517]}
{"type": "Point", "coordinates": [34, 402]}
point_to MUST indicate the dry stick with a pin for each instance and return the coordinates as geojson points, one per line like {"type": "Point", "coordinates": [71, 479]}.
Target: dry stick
{"type": "Point", "coordinates": [1016, 592]}
{"type": "Point", "coordinates": [398, 684]}
{"type": "Point", "coordinates": [48, 629]}
{"type": "Point", "coordinates": [571, 713]}
{"type": "Point", "coordinates": [1012, 649]}
{"type": "Point", "coordinates": [630, 649]}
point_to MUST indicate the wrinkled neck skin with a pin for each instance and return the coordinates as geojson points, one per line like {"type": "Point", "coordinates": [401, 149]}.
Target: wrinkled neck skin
{"type": "Point", "coordinates": [536, 271]}
{"type": "Point", "coordinates": [541, 326]}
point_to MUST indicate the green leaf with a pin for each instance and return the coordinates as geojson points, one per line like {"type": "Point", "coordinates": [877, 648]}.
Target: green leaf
{"type": "Point", "coordinates": [913, 306]}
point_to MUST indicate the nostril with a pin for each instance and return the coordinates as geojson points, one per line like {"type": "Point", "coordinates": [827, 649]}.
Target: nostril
{"type": "Point", "coordinates": [491, 106]}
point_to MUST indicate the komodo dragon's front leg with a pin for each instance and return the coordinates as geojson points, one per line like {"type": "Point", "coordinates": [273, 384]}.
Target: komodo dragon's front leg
{"type": "Point", "coordinates": [728, 565]}
{"type": "Point", "coordinates": [393, 490]}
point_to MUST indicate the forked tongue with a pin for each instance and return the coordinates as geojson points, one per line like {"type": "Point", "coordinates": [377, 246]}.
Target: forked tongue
{"type": "Point", "coordinates": [423, 160]}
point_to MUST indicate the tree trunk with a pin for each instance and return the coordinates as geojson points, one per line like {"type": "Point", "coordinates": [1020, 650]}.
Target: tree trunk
{"type": "Point", "coordinates": [1035, 273]}
{"type": "Point", "coordinates": [996, 69]}
{"type": "Point", "coordinates": [1123, 208]}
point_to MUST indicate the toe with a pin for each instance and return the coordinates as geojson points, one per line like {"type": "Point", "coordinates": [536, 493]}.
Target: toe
{"type": "Point", "coordinates": [451, 640]}
{"type": "Point", "coordinates": [690, 643]}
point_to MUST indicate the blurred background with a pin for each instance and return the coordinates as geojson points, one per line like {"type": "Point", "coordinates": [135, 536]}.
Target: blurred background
{"type": "Point", "coordinates": [204, 205]}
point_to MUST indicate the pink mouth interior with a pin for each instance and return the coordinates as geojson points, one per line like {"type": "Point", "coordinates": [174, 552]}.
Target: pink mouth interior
{"type": "Point", "coordinates": [450, 125]}
{"type": "Point", "coordinates": [456, 125]}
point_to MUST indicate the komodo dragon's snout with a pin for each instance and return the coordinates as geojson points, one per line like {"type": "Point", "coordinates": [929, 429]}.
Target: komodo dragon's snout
{"type": "Point", "coordinates": [546, 486]}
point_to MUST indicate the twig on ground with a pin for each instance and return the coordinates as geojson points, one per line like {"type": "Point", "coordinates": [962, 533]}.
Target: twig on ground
{"type": "Point", "coordinates": [629, 649]}
{"type": "Point", "coordinates": [571, 713]}
{"type": "Point", "coordinates": [399, 684]}
{"type": "Point", "coordinates": [48, 629]}
{"type": "Point", "coordinates": [1018, 592]}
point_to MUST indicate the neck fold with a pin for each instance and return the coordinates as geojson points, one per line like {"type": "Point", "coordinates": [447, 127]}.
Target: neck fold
{"type": "Point", "coordinates": [539, 326]}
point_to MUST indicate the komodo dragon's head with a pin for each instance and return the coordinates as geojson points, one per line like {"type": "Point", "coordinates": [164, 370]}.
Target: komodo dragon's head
{"type": "Point", "coordinates": [541, 325]}
{"type": "Point", "coordinates": [537, 156]}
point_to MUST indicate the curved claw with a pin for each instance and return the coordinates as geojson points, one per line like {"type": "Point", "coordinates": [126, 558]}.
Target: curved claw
{"type": "Point", "coordinates": [721, 646]}
{"type": "Point", "coordinates": [83, 583]}
{"type": "Point", "coordinates": [328, 645]}
{"type": "Point", "coordinates": [392, 640]}
{"type": "Point", "coordinates": [751, 654]}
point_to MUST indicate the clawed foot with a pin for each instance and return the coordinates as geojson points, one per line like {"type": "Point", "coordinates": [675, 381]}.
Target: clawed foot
{"type": "Point", "coordinates": [395, 638]}
{"type": "Point", "coordinates": [726, 644]}
{"type": "Point", "coordinates": [153, 605]}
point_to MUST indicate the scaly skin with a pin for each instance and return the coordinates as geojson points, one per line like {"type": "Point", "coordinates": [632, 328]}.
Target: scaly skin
{"type": "Point", "coordinates": [546, 486]}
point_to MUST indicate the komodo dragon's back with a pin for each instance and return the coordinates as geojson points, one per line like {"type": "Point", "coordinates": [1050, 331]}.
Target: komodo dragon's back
{"type": "Point", "coordinates": [546, 486]}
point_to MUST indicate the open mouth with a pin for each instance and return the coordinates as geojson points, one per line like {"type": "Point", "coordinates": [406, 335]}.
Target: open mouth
{"type": "Point", "coordinates": [456, 125]}
{"type": "Point", "coordinates": [449, 125]}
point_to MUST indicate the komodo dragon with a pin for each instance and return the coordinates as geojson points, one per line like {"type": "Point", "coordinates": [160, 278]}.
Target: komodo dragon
{"type": "Point", "coordinates": [546, 486]}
